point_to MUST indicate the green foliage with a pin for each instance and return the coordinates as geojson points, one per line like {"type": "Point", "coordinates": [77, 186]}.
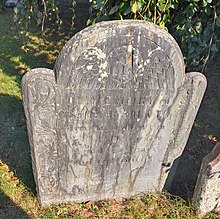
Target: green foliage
{"type": "Point", "coordinates": [2, 3]}
{"type": "Point", "coordinates": [195, 24]}
{"type": "Point", "coordinates": [196, 27]}
{"type": "Point", "coordinates": [155, 11]}
{"type": "Point", "coordinates": [33, 12]}
{"type": "Point", "coordinates": [38, 13]}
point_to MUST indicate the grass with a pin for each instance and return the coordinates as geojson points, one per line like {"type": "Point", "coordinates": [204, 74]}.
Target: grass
{"type": "Point", "coordinates": [17, 189]}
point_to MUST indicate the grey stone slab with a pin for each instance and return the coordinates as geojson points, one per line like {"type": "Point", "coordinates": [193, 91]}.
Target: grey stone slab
{"type": "Point", "coordinates": [112, 116]}
{"type": "Point", "coordinates": [11, 3]}
{"type": "Point", "coordinates": [207, 191]}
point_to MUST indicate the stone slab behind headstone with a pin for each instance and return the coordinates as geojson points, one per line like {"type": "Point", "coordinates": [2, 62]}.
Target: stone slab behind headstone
{"type": "Point", "coordinates": [11, 3]}
{"type": "Point", "coordinates": [207, 191]}
{"type": "Point", "coordinates": [112, 116]}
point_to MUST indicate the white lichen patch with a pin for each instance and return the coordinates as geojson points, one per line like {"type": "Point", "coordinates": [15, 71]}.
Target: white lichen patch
{"type": "Point", "coordinates": [147, 62]}
{"type": "Point", "coordinates": [89, 67]}
{"type": "Point", "coordinates": [121, 114]}
{"type": "Point", "coordinates": [140, 66]}
{"type": "Point", "coordinates": [152, 51]}
{"type": "Point", "coordinates": [103, 65]}
{"type": "Point", "coordinates": [104, 75]}
{"type": "Point", "coordinates": [97, 52]}
{"type": "Point", "coordinates": [130, 48]}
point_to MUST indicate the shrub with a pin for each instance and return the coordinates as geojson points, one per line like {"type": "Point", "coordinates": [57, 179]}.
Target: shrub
{"type": "Point", "coordinates": [2, 4]}
{"type": "Point", "coordinates": [40, 13]}
{"type": "Point", "coordinates": [195, 24]}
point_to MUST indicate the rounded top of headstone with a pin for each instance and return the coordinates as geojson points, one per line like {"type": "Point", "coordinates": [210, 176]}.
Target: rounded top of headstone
{"type": "Point", "coordinates": [120, 53]}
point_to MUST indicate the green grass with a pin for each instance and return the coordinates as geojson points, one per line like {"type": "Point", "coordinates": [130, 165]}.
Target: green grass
{"type": "Point", "coordinates": [17, 189]}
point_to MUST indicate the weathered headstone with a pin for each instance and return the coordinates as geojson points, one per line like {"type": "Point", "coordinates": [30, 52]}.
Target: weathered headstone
{"type": "Point", "coordinates": [11, 3]}
{"type": "Point", "coordinates": [207, 191]}
{"type": "Point", "coordinates": [112, 116]}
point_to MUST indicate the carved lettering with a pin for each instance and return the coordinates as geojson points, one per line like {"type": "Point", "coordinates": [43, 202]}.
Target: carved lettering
{"type": "Point", "coordinates": [116, 107]}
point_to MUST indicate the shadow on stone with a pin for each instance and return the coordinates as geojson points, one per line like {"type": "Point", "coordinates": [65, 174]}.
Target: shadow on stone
{"type": "Point", "coordinates": [171, 175]}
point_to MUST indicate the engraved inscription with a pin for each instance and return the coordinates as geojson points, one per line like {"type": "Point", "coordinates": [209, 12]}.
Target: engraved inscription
{"type": "Point", "coordinates": [115, 109]}
{"type": "Point", "coordinates": [115, 90]}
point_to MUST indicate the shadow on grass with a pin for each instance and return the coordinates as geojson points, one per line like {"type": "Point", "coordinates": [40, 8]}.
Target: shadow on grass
{"type": "Point", "coordinates": [35, 49]}
{"type": "Point", "coordinates": [9, 210]}
{"type": "Point", "coordinates": [14, 146]}
{"type": "Point", "coordinates": [19, 53]}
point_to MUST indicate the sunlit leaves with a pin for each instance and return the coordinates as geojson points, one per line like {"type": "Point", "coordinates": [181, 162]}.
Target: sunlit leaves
{"type": "Point", "coordinates": [152, 10]}
{"type": "Point", "coordinates": [113, 9]}
{"type": "Point", "coordinates": [197, 30]}
{"type": "Point", "coordinates": [134, 7]}
{"type": "Point", "coordinates": [212, 138]}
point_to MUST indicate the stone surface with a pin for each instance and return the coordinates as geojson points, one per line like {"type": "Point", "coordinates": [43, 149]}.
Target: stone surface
{"type": "Point", "coordinates": [11, 3]}
{"type": "Point", "coordinates": [207, 191]}
{"type": "Point", "coordinates": [112, 116]}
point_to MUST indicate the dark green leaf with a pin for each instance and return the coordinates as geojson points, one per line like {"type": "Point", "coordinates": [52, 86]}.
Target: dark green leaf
{"type": "Point", "coordinates": [113, 10]}
{"type": "Point", "coordinates": [218, 22]}
{"type": "Point", "coordinates": [214, 48]}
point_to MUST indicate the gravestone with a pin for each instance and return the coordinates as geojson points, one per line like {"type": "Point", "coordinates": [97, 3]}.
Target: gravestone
{"type": "Point", "coordinates": [11, 3]}
{"type": "Point", "coordinates": [207, 191]}
{"type": "Point", "coordinates": [111, 117]}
